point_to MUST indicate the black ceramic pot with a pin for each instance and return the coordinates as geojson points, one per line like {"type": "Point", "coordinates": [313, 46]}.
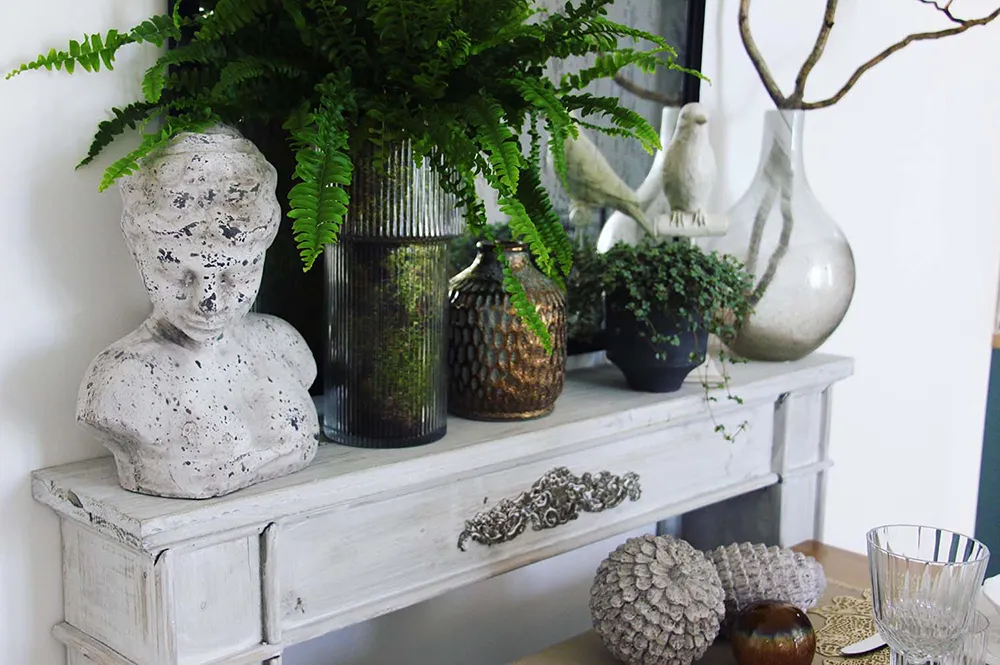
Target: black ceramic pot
{"type": "Point", "coordinates": [631, 350]}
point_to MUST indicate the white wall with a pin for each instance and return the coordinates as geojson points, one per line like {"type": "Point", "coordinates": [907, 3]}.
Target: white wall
{"type": "Point", "coordinates": [68, 289]}
{"type": "Point", "coordinates": [909, 165]}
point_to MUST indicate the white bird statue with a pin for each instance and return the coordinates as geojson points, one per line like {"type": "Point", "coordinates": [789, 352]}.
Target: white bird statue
{"type": "Point", "coordinates": [592, 183]}
{"type": "Point", "coordinates": [689, 168]}
{"type": "Point", "coordinates": [619, 227]}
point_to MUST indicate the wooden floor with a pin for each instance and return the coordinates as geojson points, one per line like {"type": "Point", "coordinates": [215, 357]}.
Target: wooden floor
{"type": "Point", "coordinates": [841, 565]}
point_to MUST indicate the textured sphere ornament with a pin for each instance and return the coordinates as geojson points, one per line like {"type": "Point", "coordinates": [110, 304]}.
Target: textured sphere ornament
{"type": "Point", "coordinates": [750, 573]}
{"type": "Point", "coordinates": [773, 633]}
{"type": "Point", "coordinates": [657, 601]}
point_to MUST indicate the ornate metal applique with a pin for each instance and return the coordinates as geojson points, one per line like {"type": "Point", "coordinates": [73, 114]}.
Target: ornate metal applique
{"type": "Point", "coordinates": [556, 498]}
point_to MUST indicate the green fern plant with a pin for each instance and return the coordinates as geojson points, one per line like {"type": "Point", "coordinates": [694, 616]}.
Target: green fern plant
{"type": "Point", "coordinates": [463, 80]}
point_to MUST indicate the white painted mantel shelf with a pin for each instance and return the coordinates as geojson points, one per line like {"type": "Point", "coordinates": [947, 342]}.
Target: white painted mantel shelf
{"type": "Point", "coordinates": [235, 580]}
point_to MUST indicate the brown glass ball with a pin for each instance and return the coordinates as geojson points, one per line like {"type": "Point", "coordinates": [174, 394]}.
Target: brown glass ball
{"type": "Point", "coordinates": [771, 632]}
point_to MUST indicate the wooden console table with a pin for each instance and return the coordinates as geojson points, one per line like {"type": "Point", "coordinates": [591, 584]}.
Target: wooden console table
{"type": "Point", "coordinates": [236, 580]}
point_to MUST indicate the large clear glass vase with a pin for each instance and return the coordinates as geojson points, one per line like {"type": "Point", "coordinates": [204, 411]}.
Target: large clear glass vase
{"type": "Point", "coordinates": [801, 261]}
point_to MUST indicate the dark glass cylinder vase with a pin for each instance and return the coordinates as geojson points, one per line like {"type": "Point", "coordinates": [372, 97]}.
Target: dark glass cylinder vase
{"type": "Point", "coordinates": [387, 295]}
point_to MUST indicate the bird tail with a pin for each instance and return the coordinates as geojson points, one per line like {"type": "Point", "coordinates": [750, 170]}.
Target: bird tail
{"type": "Point", "coordinates": [639, 215]}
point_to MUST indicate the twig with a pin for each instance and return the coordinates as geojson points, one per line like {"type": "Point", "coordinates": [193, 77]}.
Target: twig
{"type": "Point", "coordinates": [645, 93]}
{"type": "Point", "coordinates": [757, 234]}
{"type": "Point", "coordinates": [758, 61]}
{"type": "Point", "coordinates": [795, 100]}
{"type": "Point", "coordinates": [824, 35]}
{"type": "Point", "coordinates": [787, 222]}
{"type": "Point", "coordinates": [946, 9]}
{"type": "Point", "coordinates": [898, 46]}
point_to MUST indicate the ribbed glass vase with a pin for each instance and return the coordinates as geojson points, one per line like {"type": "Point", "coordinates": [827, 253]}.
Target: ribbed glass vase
{"type": "Point", "coordinates": [387, 296]}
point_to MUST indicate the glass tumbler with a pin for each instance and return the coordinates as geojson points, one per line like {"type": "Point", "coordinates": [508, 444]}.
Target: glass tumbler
{"type": "Point", "coordinates": [973, 647]}
{"type": "Point", "coordinates": [925, 582]}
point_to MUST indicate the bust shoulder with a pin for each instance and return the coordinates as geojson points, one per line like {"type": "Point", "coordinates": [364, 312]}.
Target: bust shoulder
{"type": "Point", "coordinates": [269, 334]}
{"type": "Point", "coordinates": [123, 377]}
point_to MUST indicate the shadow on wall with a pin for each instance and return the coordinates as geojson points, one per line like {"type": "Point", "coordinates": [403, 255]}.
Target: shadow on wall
{"type": "Point", "coordinates": [91, 293]}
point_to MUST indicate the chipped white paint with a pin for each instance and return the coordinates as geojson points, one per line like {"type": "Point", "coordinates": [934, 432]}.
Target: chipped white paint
{"type": "Point", "coordinates": [203, 398]}
{"type": "Point", "coordinates": [236, 579]}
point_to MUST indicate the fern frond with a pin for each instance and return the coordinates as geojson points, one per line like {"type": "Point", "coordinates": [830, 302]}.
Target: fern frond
{"type": "Point", "coordinates": [230, 16]}
{"type": "Point", "coordinates": [605, 27]}
{"type": "Point", "coordinates": [496, 140]}
{"type": "Point", "coordinates": [129, 117]}
{"type": "Point", "coordinates": [607, 65]}
{"type": "Point", "coordinates": [558, 135]}
{"type": "Point", "coordinates": [616, 132]}
{"type": "Point", "coordinates": [522, 305]}
{"type": "Point", "coordinates": [95, 50]}
{"type": "Point", "coordinates": [323, 168]}
{"type": "Point", "coordinates": [618, 115]}
{"type": "Point", "coordinates": [156, 30]}
{"type": "Point", "coordinates": [151, 142]}
{"type": "Point", "coordinates": [532, 195]}
{"type": "Point", "coordinates": [248, 68]}
{"type": "Point", "coordinates": [523, 229]}
{"type": "Point", "coordinates": [155, 79]}
{"type": "Point", "coordinates": [542, 95]}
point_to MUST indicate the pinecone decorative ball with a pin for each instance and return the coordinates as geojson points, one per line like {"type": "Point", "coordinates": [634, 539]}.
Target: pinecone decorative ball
{"type": "Point", "coordinates": [750, 573]}
{"type": "Point", "coordinates": [656, 600]}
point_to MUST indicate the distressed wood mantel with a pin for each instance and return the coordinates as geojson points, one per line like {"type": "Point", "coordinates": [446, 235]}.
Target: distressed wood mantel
{"type": "Point", "coordinates": [236, 580]}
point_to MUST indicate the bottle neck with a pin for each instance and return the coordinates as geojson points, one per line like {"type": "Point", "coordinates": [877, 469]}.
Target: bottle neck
{"type": "Point", "coordinates": [782, 154]}
{"type": "Point", "coordinates": [516, 254]}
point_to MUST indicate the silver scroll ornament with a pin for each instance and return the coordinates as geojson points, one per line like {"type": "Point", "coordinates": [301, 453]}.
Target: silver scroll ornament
{"type": "Point", "coordinates": [556, 498]}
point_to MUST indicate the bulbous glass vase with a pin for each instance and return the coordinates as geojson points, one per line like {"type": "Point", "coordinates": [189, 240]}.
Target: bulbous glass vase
{"type": "Point", "coordinates": [802, 264]}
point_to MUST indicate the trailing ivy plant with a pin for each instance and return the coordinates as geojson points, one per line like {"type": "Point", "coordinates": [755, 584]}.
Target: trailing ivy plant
{"type": "Point", "coordinates": [463, 80]}
{"type": "Point", "coordinates": [710, 291]}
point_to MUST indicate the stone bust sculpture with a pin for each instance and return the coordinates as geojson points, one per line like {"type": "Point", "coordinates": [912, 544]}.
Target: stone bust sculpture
{"type": "Point", "coordinates": [204, 397]}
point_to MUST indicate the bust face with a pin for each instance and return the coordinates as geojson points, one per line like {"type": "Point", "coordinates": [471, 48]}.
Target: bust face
{"type": "Point", "coordinates": [200, 287]}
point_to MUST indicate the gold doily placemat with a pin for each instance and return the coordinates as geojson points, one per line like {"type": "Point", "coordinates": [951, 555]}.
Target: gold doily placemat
{"type": "Point", "coordinates": [844, 616]}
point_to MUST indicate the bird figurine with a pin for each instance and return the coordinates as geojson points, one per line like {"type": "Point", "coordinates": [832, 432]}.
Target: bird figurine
{"type": "Point", "coordinates": [689, 168]}
{"type": "Point", "coordinates": [592, 183]}
{"type": "Point", "coordinates": [619, 227]}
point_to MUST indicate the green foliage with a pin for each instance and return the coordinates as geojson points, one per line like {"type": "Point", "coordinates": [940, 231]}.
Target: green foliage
{"type": "Point", "coordinates": [93, 50]}
{"type": "Point", "coordinates": [151, 142]}
{"type": "Point", "coordinates": [323, 168]}
{"type": "Point", "coordinates": [708, 290]}
{"type": "Point", "coordinates": [463, 80]}
{"type": "Point", "coordinates": [130, 117]}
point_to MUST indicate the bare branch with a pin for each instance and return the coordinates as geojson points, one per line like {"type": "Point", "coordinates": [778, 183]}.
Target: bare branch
{"type": "Point", "coordinates": [898, 46]}
{"type": "Point", "coordinates": [755, 57]}
{"type": "Point", "coordinates": [645, 93]}
{"type": "Point", "coordinates": [946, 9]}
{"type": "Point", "coordinates": [817, 51]}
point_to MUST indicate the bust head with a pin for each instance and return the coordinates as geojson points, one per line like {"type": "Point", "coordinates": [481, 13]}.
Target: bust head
{"type": "Point", "coordinates": [198, 217]}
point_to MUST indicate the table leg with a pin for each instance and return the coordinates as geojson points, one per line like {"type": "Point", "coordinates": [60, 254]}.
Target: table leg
{"type": "Point", "coordinates": [790, 511]}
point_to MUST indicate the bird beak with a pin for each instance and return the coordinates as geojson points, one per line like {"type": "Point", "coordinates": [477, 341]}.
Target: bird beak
{"type": "Point", "coordinates": [701, 119]}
